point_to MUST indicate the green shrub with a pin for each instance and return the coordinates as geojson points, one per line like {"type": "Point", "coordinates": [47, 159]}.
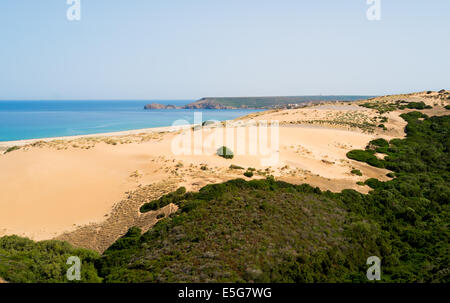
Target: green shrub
{"type": "Point", "coordinates": [379, 143]}
{"type": "Point", "coordinates": [164, 200]}
{"type": "Point", "coordinates": [365, 156]}
{"type": "Point", "coordinates": [225, 152]}
{"type": "Point", "coordinates": [11, 149]}
{"type": "Point", "coordinates": [356, 172]}
{"type": "Point", "coordinates": [417, 105]}
{"type": "Point", "coordinates": [248, 174]}
{"type": "Point", "coordinates": [374, 183]}
{"type": "Point", "coordinates": [232, 166]}
{"type": "Point", "coordinates": [208, 122]}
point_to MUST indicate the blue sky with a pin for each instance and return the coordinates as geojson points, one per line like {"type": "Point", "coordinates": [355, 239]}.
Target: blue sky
{"type": "Point", "coordinates": [187, 49]}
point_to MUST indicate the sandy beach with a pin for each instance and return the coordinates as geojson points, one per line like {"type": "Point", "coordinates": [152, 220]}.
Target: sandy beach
{"type": "Point", "coordinates": [88, 189]}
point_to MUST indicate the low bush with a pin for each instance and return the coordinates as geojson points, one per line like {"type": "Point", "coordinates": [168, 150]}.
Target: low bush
{"type": "Point", "coordinates": [225, 152]}
{"type": "Point", "coordinates": [417, 105]}
{"type": "Point", "coordinates": [232, 166]}
{"type": "Point", "coordinates": [356, 172]}
{"type": "Point", "coordinates": [11, 149]}
{"type": "Point", "coordinates": [248, 174]}
{"type": "Point", "coordinates": [164, 200]}
{"type": "Point", "coordinates": [365, 156]}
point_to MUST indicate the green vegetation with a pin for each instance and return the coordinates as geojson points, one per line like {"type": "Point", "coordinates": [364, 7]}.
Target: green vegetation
{"type": "Point", "coordinates": [417, 105]}
{"type": "Point", "coordinates": [447, 106]}
{"type": "Point", "coordinates": [270, 102]}
{"type": "Point", "coordinates": [399, 104]}
{"type": "Point", "coordinates": [26, 261]}
{"type": "Point", "coordinates": [364, 126]}
{"type": "Point", "coordinates": [232, 166]}
{"type": "Point", "coordinates": [248, 174]}
{"type": "Point", "coordinates": [208, 123]}
{"type": "Point", "coordinates": [380, 107]}
{"type": "Point", "coordinates": [356, 172]}
{"type": "Point", "coordinates": [11, 149]}
{"type": "Point", "coordinates": [225, 152]}
{"type": "Point", "coordinates": [272, 231]}
{"type": "Point", "coordinates": [164, 200]}
{"type": "Point", "coordinates": [367, 156]}
{"type": "Point", "coordinates": [378, 145]}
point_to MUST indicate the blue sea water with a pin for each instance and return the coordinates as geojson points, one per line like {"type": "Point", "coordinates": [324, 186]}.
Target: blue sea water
{"type": "Point", "coordinates": [44, 119]}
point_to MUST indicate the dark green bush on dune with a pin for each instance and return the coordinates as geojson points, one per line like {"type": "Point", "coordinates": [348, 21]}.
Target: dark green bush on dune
{"type": "Point", "coordinates": [417, 105]}
{"type": "Point", "coordinates": [367, 156]}
{"type": "Point", "coordinates": [225, 152]}
{"type": "Point", "coordinates": [356, 172]}
{"type": "Point", "coordinates": [248, 174]}
{"type": "Point", "coordinates": [11, 149]}
{"type": "Point", "coordinates": [163, 201]}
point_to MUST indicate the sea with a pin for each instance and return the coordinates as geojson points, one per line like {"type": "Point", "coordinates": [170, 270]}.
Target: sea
{"type": "Point", "coordinates": [47, 119]}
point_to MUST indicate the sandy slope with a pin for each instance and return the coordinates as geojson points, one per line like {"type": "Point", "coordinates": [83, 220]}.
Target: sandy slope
{"type": "Point", "coordinates": [88, 190]}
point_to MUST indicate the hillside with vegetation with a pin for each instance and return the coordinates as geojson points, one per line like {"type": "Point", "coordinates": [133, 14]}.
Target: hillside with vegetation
{"type": "Point", "coordinates": [267, 102]}
{"type": "Point", "coordinates": [26, 261]}
{"type": "Point", "coordinates": [272, 231]}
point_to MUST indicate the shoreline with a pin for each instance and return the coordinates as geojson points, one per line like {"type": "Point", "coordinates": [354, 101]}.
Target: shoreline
{"type": "Point", "coordinates": [160, 129]}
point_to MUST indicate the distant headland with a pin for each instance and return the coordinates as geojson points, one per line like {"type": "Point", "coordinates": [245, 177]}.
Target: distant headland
{"type": "Point", "coordinates": [257, 102]}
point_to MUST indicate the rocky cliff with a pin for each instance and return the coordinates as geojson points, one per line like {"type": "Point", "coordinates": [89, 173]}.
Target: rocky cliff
{"type": "Point", "coordinates": [200, 104]}
{"type": "Point", "coordinates": [160, 106]}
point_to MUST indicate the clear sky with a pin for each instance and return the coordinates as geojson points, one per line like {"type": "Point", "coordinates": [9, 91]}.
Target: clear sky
{"type": "Point", "coordinates": [187, 49]}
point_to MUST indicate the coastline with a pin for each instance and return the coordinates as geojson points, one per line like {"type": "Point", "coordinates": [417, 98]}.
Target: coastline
{"type": "Point", "coordinates": [5, 144]}
{"type": "Point", "coordinates": [87, 189]}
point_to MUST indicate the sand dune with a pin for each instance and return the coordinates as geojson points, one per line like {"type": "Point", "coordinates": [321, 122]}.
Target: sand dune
{"type": "Point", "coordinates": [72, 188]}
